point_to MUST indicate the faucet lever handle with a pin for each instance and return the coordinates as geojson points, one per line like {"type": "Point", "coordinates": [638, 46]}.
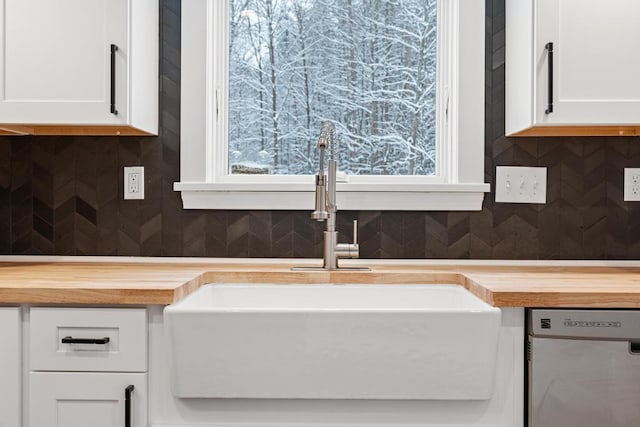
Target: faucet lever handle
{"type": "Point", "coordinates": [355, 231]}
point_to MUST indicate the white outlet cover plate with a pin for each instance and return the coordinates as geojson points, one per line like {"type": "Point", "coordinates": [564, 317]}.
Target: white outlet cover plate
{"type": "Point", "coordinates": [128, 171]}
{"type": "Point", "coordinates": [518, 184]}
{"type": "Point", "coordinates": [632, 184]}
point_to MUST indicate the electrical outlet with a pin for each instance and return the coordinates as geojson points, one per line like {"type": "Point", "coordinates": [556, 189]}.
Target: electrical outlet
{"type": "Point", "coordinates": [516, 184]}
{"type": "Point", "coordinates": [631, 184]}
{"type": "Point", "coordinates": [134, 182]}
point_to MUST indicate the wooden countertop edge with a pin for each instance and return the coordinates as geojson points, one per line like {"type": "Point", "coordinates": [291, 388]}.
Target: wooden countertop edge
{"type": "Point", "coordinates": [76, 295]}
{"type": "Point", "coordinates": [166, 284]}
{"type": "Point", "coordinates": [528, 297]}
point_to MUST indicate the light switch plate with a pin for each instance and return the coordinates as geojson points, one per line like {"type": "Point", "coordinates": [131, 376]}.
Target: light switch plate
{"type": "Point", "coordinates": [632, 184]}
{"type": "Point", "coordinates": [518, 184]}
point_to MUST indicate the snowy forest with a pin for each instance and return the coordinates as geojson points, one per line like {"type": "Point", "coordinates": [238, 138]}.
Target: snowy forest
{"type": "Point", "coordinates": [367, 65]}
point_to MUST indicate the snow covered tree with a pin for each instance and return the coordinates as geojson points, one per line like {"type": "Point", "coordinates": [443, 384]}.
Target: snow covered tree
{"type": "Point", "coordinates": [367, 65]}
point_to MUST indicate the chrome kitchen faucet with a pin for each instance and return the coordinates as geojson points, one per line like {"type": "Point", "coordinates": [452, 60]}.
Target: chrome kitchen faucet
{"type": "Point", "coordinates": [326, 209]}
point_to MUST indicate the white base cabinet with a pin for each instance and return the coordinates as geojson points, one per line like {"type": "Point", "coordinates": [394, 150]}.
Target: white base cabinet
{"type": "Point", "coordinates": [83, 364]}
{"type": "Point", "coordinates": [572, 65]}
{"type": "Point", "coordinates": [81, 399]}
{"type": "Point", "coordinates": [10, 367]}
{"type": "Point", "coordinates": [79, 66]}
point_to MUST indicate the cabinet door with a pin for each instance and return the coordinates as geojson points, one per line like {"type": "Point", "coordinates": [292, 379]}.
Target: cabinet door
{"type": "Point", "coordinates": [85, 399]}
{"type": "Point", "coordinates": [595, 61]}
{"type": "Point", "coordinates": [56, 61]}
{"type": "Point", "coordinates": [10, 364]}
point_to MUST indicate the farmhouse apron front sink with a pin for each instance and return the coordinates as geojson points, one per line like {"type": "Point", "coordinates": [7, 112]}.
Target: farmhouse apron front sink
{"type": "Point", "coordinates": [332, 342]}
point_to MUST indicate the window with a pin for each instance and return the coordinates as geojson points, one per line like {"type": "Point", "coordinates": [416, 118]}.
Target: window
{"type": "Point", "coordinates": [406, 94]}
{"type": "Point", "coordinates": [368, 66]}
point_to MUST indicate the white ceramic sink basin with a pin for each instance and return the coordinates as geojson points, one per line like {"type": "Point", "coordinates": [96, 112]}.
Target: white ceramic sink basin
{"type": "Point", "coordinates": [332, 342]}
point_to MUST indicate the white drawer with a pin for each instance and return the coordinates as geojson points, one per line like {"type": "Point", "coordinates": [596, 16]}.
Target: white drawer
{"type": "Point", "coordinates": [88, 339]}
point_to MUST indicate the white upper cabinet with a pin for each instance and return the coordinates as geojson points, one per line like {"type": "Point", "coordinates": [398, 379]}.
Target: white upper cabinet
{"type": "Point", "coordinates": [572, 67]}
{"type": "Point", "coordinates": [79, 66]}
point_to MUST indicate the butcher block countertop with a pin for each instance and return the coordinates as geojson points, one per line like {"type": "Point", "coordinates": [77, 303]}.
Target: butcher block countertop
{"type": "Point", "coordinates": [143, 281]}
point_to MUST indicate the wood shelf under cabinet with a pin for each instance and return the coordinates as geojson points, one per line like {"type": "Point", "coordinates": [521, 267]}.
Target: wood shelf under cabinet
{"type": "Point", "coordinates": [19, 130]}
{"type": "Point", "coordinates": [579, 131]}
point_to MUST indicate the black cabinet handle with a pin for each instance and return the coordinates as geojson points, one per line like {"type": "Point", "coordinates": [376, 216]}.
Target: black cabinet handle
{"type": "Point", "coordinates": [127, 405]}
{"type": "Point", "coordinates": [549, 48]}
{"type": "Point", "coordinates": [71, 340]}
{"type": "Point", "coordinates": [114, 49]}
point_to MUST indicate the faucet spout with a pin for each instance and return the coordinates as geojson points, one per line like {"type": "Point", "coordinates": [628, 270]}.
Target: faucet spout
{"type": "Point", "coordinates": [320, 213]}
{"type": "Point", "coordinates": [327, 136]}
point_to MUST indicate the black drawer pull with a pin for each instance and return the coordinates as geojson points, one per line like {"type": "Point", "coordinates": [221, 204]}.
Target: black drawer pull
{"type": "Point", "coordinates": [71, 340]}
{"type": "Point", "coordinates": [127, 405]}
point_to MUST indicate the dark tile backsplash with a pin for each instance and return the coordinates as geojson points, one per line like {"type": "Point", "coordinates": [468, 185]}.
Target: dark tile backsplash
{"type": "Point", "coordinates": [63, 195]}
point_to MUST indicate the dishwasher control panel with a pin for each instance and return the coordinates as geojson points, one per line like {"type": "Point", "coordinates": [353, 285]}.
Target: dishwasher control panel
{"type": "Point", "coordinates": [589, 324]}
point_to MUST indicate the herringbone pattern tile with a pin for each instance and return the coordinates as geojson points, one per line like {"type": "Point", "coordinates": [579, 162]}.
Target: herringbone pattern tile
{"type": "Point", "coordinates": [215, 234]}
{"type": "Point", "coordinates": [458, 235]}
{"type": "Point", "coordinates": [5, 195]}
{"type": "Point", "coordinates": [282, 234]}
{"type": "Point", "coordinates": [260, 236]}
{"type": "Point", "coordinates": [21, 199]}
{"type": "Point", "coordinates": [594, 200]}
{"type": "Point", "coordinates": [480, 240]}
{"type": "Point", "coordinates": [370, 235]}
{"type": "Point", "coordinates": [238, 234]}
{"type": "Point", "coordinates": [151, 214]}
{"type": "Point", "coordinates": [391, 235]}
{"type": "Point", "coordinates": [63, 195]}
{"type": "Point", "coordinates": [307, 237]}
{"type": "Point", "coordinates": [43, 219]}
{"type": "Point", "coordinates": [436, 235]}
{"type": "Point", "coordinates": [194, 242]}
{"type": "Point", "coordinates": [86, 179]}
{"type": "Point", "coordinates": [413, 235]}
{"type": "Point", "coordinates": [107, 196]}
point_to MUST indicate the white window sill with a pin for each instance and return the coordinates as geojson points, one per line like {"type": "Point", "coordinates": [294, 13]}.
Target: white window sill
{"type": "Point", "coordinates": [426, 197]}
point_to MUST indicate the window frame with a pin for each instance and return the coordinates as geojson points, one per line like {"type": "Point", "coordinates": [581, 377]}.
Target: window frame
{"type": "Point", "coordinates": [205, 184]}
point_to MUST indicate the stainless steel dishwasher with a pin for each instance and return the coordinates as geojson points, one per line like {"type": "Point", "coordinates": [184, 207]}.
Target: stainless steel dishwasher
{"type": "Point", "coordinates": [583, 368]}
